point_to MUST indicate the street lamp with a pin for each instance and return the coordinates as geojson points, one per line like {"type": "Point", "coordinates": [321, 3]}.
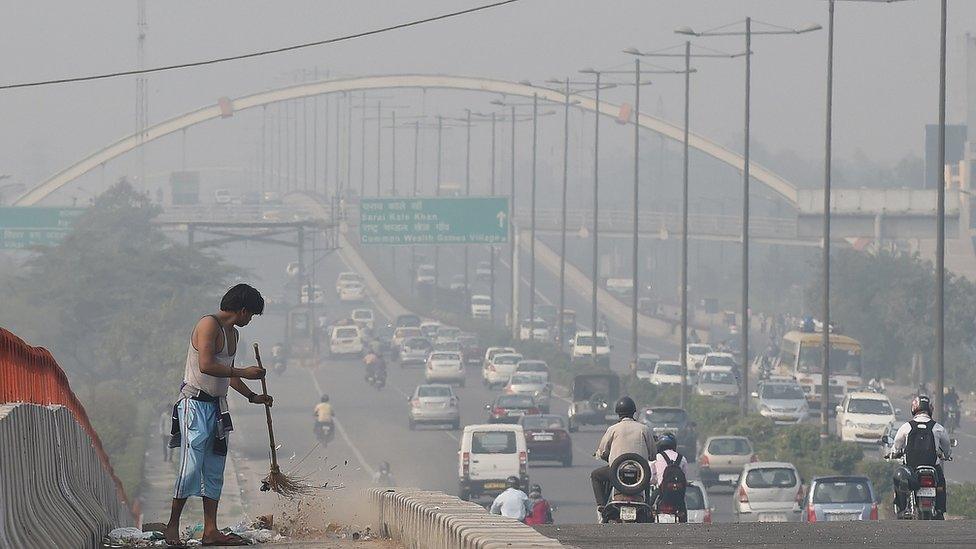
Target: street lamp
{"type": "Point", "coordinates": [940, 228]}
{"type": "Point", "coordinates": [687, 55]}
{"type": "Point", "coordinates": [825, 261]}
{"type": "Point", "coordinates": [748, 33]}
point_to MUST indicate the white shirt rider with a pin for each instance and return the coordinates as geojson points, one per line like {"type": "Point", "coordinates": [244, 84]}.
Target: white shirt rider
{"type": "Point", "coordinates": [659, 465]}
{"type": "Point", "coordinates": [942, 445]}
{"type": "Point", "coordinates": [510, 503]}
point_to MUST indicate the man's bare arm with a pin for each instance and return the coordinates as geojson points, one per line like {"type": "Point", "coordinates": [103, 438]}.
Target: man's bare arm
{"type": "Point", "coordinates": [242, 388]}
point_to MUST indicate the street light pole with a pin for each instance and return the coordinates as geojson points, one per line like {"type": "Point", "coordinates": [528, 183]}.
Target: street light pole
{"type": "Point", "coordinates": [535, 131]}
{"type": "Point", "coordinates": [828, 158]}
{"type": "Point", "coordinates": [379, 144]}
{"type": "Point", "coordinates": [635, 252]}
{"type": "Point", "coordinates": [684, 231]}
{"type": "Point", "coordinates": [940, 229]}
{"type": "Point", "coordinates": [492, 247]}
{"type": "Point", "coordinates": [437, 192]}
{"type": "Point", "coordinates": [362, 148]}
{"type": "Point", "coordinates": [512, 262]}
{"type": "Point", "coordinates": [744, 328]}
{"type": "Point", "coordinates": [467, 192]}
{"type": "Point", "coordinates": [562, 227]}
{"type": "Point", "coordinates": [596, 219]}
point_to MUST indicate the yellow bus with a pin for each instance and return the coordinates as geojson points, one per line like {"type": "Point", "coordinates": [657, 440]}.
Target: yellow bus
{"type": "Point", "coordinates": [801, 357]}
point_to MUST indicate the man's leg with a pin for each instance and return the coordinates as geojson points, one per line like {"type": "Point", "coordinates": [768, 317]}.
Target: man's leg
{"type": "Point", "coordinates": [900, 500]}
{"type": "Point", "coordinates": [600, 479]}
{"type": "Point", "coordinates": [172, 532]}
{"type": "Point", "coordinates": [940, 490]}
{"type": "Point", "coordinates": [210, 518]}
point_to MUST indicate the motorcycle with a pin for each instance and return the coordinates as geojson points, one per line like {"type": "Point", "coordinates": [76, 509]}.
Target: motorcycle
{"type": "Point", "coordinates": [278, 362]}
{"type": "Point", "coordinates": [324, 432]}
{"type": "Point", "coordinates": [630, 476]}
{"type": "Point", "coordinates": [918, 487]}
{"type": "Point", "coordinates": [376, 378]}
{"type": "Point", "coordinates": [953, 418]}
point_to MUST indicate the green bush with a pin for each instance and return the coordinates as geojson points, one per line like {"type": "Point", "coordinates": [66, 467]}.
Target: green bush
{"type": "Point", "coordinates": [962, 499]}
{"type": "Point", "coordinates": [840, 456]}
{"type": "Point", "coordinates": [880, 473]}
{"type": "Point", "coordinates": [113, 413]}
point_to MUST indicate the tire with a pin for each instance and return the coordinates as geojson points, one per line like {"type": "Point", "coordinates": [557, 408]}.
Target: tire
{"type": "Point", "coordinates": [413, 425]}
{"type": "Point", "coordinates": [571, 426]}
{"type": "Point", "coordinates": [626, 489]}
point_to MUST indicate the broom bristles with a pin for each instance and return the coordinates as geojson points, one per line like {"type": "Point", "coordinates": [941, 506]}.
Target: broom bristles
{"type": "Point", "coordinates": [285, 485]}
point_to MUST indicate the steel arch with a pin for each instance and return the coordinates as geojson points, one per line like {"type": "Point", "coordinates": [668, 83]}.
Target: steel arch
{"type": "Point", "coordinates": [784, 188]}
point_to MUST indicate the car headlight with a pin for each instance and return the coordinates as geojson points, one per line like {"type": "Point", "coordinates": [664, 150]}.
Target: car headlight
{"type": "Point", "coordinates": [764, 408]}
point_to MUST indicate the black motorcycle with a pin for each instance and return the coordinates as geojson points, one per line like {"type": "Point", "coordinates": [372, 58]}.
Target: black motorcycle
{"type": "Point", "coordinates": [376, 378]}
{"type": "Point", "coordinates": [324, 432]}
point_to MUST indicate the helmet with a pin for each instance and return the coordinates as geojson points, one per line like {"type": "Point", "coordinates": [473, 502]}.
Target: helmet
{"type": "Point", "coordinates": [921, 403]}
{"type": "Point", "coordinates": [535, 489]}
{"type": "Point", "coordinates": [667, 441]}
{"type": "Point", "coordinates": [625, 407]}
{"type": "Point", "coordinates": [512, 482]}
{"type": "Point", "coordinates": [325, 398]}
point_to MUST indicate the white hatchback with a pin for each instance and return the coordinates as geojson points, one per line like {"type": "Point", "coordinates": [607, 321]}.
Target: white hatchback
{"type": "Point", "coordinates": [346, 340]}
{"type": "Point", "coordinates": [445, 366]}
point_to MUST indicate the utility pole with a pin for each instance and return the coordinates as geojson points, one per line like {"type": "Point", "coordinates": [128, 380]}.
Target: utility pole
{"type": "Point", "coordinates": [562, 230]}
{"type": "Point", "coordinates": [142, 94]}
{"type": "Point", "coordinates": [535, 139]}
{"type": "Point", "coordinates": [491, 248]}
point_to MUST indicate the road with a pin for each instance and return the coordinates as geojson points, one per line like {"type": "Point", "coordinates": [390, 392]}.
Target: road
{"type": "Point", "coordinates": [373, 425]}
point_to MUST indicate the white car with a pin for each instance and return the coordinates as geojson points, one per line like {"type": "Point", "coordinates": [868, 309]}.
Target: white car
{"type": "Point", "coordinates": [426, 275]}
{"type": "Point", "coordinates": [483, 271]}
{"type": "Point", "coordinates": [864, 417]}
{"type": "Point", "coordinates": [719, 359]}
{"type": "Point", "coordinates": [352, 292]}
{"type": "Point", "coordinates": [345, 278]}
{"type": "Point", "coordinates": [645, 365]}
{"type": "Point", "coordinates": [781, 400]}
{"type": "Point", "coordinates": [667, 372]}
{"type": "Point", "coordinates": [346, 340]}
{"type": "Point", "coordinates": [444, 366]}
{"type": "Point", "coordinates": [500, 369]}
{"type": "Point", "coordinates": [429, 328]}
{"type": "Point", "coordinates": [488, 455]}
{"type": "Point", "coordinates": [447, 333]}
{"type": "Point", "coordinates": [490, 353]}
{"type": "Point", "coordinates": [581, 348]}
{"type": "Point", "coordinates": [481, 306]}
{"type": "Point", "coordinates": [534, 330]}
{"type": "Point", "coordinates": [696, 502]}
{"type": "Point", "coordinates": [620, 287]}
{"type": "Point", "coordinates": [696, 355]}
{"type": "Point", "coordinates": [312, 294]}
{"type": "Point", "coordinates": [364, 318]}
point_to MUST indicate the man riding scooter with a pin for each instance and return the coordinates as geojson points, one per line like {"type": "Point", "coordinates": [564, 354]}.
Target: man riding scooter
{"type": "Point", "coordinates": [324, 428]}
{"type": "Point", "coordinates": [624, 437]}
{"type": "Point", "coordinates": [923, 442]}
{"type": "Point", "coordinates": [375, 368]}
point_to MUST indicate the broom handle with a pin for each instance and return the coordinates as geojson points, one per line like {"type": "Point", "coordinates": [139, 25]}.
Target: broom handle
{"type": "Point", "coordinates": [267, 411]}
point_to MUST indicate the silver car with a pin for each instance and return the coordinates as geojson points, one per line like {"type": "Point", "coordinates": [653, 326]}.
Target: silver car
{"type": "Point", "coordinates": [415, 350]}
{"type": "Point", "coordinates": [434, 403]}
{"type": "Point", "coordinates": [781, 401]}
{"type": "Point", "coordinates": [768, 491]}
{"type": "Point", "coordinates": [535, 385]}
{"type": "Point", "coordinates": [841, 498]}
{"type": "Point", "coordinates": [717, 382]}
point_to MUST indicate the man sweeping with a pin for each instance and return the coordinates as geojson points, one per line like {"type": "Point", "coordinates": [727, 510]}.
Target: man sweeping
{"type": "Point", "coordinates": [201, 421]}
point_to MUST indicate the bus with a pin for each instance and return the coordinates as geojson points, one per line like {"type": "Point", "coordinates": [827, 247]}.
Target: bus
{"type": "Point", "coordinates": [801, 357]}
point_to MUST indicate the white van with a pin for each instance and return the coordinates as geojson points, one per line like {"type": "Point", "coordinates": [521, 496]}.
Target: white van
{"type": "Point", "coordinates": [346, 340]}
{"type": "Point", "coordinates": [581, 348]}
{"type": "Point", "coordinates": [490, 454]}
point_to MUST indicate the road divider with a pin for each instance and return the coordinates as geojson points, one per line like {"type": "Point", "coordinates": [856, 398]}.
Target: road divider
{"type": "Point", "coordinates": [422, 519]}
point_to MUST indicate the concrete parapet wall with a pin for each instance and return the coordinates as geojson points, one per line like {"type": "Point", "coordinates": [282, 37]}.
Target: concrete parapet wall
{"type": "Point", "coordinates": [54, 489]}
{"type": "Point", "coordinates": [422, 519]}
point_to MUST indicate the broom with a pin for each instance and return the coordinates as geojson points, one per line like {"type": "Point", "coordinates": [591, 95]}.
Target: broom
{"type": "Point", "coordinates": [276, 481]}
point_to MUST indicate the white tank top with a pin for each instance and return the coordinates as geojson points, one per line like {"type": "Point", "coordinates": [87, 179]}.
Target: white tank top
{"type": "Point", "coordinates": [192, 376]}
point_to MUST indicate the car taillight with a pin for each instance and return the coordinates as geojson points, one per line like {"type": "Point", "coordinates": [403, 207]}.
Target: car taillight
{"type": "Point", "coordinates": [743, 497]}
{"type": "Point", "coordinates": [509, 391]}
{"type": "Point", "coordinates": [532, 411]}
{"type": "Point", "coordinates": [754, 458]}
{"type": "Point", "coordinates": [665, 508]}
{"type": "Point", "coordinates": [926, 481]}
{"type": "Point", "coordinates": [415, 402]}
{"type": "Point", "coordinates": [811, 514]}
{"type": "Point", "coordinates": [561, 435]}
{"type": "Point", "coordinates": [523, 462]}
{"type": "Point", "coordinates": [498, 411]}
{"type": "Point", "coordinates": [799, 496]}
{"type": "Point", "coordinates": [465, 463]}
{"type": "Point", "coordinates": [703, 461]}
{"type": "Point", "coordinates": [708, 517]}
{"type": "Point", "coordinates": [491, 367]}
{"type": "Point", "coordinates": [874, 512]}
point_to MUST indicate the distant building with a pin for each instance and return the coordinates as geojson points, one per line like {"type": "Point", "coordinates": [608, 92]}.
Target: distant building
{"type": "Point", "coordinates": [955, 148]}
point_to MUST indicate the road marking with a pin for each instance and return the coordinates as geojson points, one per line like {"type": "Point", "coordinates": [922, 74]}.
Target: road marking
{"type": "Point", "coordinates": [342, 431]}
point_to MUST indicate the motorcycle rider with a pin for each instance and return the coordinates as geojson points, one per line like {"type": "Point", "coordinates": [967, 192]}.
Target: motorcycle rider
{"type": "Point", "coordinates": [923, 442]}
{"type": "Point", "coordinates": [538, 510]}
{"type": "Point", "coordinates": [383, 476]}
{"type": "Point", "coordinates": [951, 402]}
{"type": "Point", "coordinates": [624, 437]}
{"type": "Point", "coordinates": [667, 454]}
{"type": "Point", "coordinates": [375, 365]}
{"type": "Point", "coordinates": [511, 502]}
{"type": "Point", "coordinates": [323, 415]}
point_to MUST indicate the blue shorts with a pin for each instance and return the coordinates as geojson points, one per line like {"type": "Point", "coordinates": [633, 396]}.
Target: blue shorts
{"type": "Point", "coordinates": [201, 471]}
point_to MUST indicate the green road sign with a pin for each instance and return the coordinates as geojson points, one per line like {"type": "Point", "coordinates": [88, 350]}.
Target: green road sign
{"type": "Point", "coordinates": [411, 221]}
{"type": "Point", "coordinates": [25, 227]}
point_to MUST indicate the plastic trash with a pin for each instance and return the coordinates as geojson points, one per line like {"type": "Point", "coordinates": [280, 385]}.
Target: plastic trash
{"type": "Point", "coordinates": [131, 534]}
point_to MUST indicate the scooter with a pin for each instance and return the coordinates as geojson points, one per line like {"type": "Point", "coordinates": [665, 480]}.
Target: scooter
{"type": "Point", "coordinates": [377, 378]}
{"type": "Point", "coordinates": [278, 362]}
{"type": "Point", "coordinates": [324, 432]}
{"type": "Point", "coordinates": [630, 476]}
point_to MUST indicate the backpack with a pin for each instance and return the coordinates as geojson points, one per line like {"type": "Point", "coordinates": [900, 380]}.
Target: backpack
{"type": "Point", "coordinates": [920, 447]}
{"type": "Point", "coordinates": [673, 480]}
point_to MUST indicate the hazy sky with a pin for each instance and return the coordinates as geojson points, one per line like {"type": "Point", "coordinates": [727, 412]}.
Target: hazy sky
{"type": "Point", "coordinates": [886, 68]}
